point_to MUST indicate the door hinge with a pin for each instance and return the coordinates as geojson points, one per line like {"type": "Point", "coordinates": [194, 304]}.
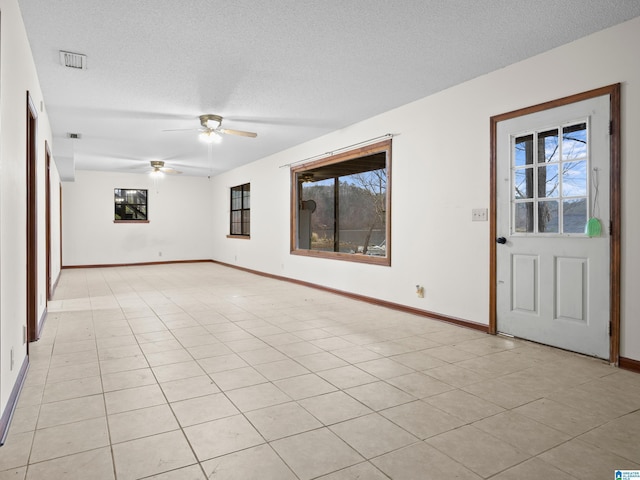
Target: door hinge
{"type": "Point", "coordinates": [610, 227]}
{"type": "Point", "coordinates": [609, 328]}
{"type": "Point", "coordinates": [611, 127]}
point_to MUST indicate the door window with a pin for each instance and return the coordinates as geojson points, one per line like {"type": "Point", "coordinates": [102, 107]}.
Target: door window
{"type": "Point", "coordinates": [550, 193]}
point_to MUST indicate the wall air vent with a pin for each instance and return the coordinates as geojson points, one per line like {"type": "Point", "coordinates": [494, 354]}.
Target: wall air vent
{"type": "Point", "coordinates": [73, 60]}
{"type": "Point", "coordinates": [75, 136]}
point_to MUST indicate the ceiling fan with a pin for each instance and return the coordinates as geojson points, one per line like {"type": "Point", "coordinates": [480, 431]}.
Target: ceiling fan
{"type": "Point", "coordinates": [211, 129]}
{"type": "Point", "coordinates": [159, 168]}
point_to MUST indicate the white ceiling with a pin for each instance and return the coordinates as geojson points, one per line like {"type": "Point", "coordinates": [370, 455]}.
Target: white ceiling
{"type": "Point", "coordinates": [290, 70]}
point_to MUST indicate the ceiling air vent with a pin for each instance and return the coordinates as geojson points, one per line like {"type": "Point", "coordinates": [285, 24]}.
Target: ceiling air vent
{"type": "Point", "coordinates": [75, 136]}
{"type": "Point", "coordinates": [73, 60]}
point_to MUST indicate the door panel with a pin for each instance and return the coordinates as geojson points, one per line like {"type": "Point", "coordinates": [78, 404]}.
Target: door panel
{"type": "Point", "coordinates": [552, 280]}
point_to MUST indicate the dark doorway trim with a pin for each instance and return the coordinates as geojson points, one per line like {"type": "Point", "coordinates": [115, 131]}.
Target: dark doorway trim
{"type": "Point", "coordinates": [47, 193]}
{"type": "Point", "coordinates": [615, 201]}
{"type": "Point", "coordinates": [32, 220]}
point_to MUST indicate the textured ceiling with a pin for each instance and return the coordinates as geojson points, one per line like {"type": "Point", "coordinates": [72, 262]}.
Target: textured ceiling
{"type": "Point", "coordinates": [290, 70]}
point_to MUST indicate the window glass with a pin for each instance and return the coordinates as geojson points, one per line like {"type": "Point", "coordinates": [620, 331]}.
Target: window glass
{"type": "Point", "coordinates": [343, 206]}
{"type": "Point", "coordinates": [130, 204]}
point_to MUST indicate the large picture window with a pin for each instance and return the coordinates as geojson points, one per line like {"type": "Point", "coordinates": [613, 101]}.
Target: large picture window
{"type": "Point", "coordinates": [241, 210]}
{"type": "Point", "coordinates": [130, 205]}
{"type": "Point", "coordinates": [341, 206]}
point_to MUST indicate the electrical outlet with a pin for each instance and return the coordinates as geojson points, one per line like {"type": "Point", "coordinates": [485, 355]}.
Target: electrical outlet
{"type": "Point", "coordinates": [159, 254]}
{"type": "Point", "coordinates": [479, 215]}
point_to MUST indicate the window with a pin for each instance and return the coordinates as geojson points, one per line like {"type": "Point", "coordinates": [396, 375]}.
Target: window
{"type": "Point", "coordinates": [342, 206]}
{"type": "Point", "coordinates": [130, 205]}
{"type": "Point", "coordinates": [241, 210]}
{"type": "Point", "coordinates": [550, 189]}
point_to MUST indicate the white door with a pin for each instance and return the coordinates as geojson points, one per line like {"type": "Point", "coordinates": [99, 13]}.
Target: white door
{"type": "Point", "coordinates": [552, 176]}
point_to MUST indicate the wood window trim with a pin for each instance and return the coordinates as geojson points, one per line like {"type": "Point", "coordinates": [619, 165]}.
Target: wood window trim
{"type": "Point", "coordinates": [131, 221]}
{"type": "Point", "coordinates": [613, 91]}
{"type": "Point", "coordinates": [239, 237]}
{"type": "Point", "coordinates": [378, 147]}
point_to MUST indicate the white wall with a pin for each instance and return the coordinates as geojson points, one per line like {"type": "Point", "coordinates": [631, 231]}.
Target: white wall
{"type": "Point", "coordinates": [180, 211]}
{"type": "Point", "coordinates": [17, 76]}
{"type": "Point", "coordinates": [440, 173]}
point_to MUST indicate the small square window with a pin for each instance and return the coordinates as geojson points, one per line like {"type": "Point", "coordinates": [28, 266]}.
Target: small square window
{"type": "Point", "coordinates": [130, 205]}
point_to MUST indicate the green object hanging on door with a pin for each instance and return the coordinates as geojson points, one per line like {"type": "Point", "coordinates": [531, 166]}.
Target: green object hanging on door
{"type": "Point", "coordinates": [593, 228]}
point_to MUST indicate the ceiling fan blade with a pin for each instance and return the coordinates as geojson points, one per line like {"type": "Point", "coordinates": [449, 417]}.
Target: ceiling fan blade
{"type": "Point", "coordinates": [237, 132]}
{"type": "Point", "coordinates": [170, 171]}
{"type": "Point", "coordinates": [183, 130]}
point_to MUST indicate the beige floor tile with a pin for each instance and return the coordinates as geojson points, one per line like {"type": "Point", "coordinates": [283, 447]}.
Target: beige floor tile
{"type": "Point", "coordinates": [282, 420]}
{"type": "Point", "coordinates": [421, 419]}
{"type": "Point", "coordinates": [259, 462]}
{"type": "Point", "coordinates": [420, 360]}
{"type": "Point", "coordinates": [177, 371]}
{"type": "Point", "coordinates": [82, 387]}
{"type": "Point", "coordinates": [533, 469]}
{"type": "Point", "coordinates": [373, 435]}
{"type": "Point", "coordinates": [316, 453]}
{"type": "Point", "coordinates": [128, 379]}
{"type": "Point", "coordinates": [123, 351]}
{"type": "Point", "coordinates": [257, 396]}
{"type": "Point", "coordinates": [123, 364]}
{"type": "Point", "coordinates": [561, 417]}
{"type": "Point", "coordinates": [421, 461]}
{"type": "Point", "coordinates": [222, 363]}
{"type": "Point", "coordinates": [168, 357]}
{"type": "Point", "coordinates": [72, 372]}
{"type": "Point", "coordinates": [380, 395]}
{"type": "Point", "coordinates": [523, 433]}
{"type": "Point", "coordinates": [14, 474]}
{"type": "Point", "coordinates": [237, 378]}
{"type": "Point", "coordinates": [159, 346]}
{"type": "Point", "coordinates": [69, 411]}
{"type": "Point", "coordinates": [334, 407]}
{"type": "Point", "coordinates": [617, 437]}
{"type": "Point", "coordinates": [191, 387]}
{"type": "Point", "coordinates": [346, 377]}
{"type": "Point", "coordinates": [355, 354]}
{"type": "Point", "coordinates": [478, 451]}
{"type": "Point", "coordinates": [133, 398]}
{"type": "Point", "coordinates": [495, 391]}
{"type": "Point", "coordinates": [384, 368]}
{"type": "Point", "coordinates": [420, 385]}
{"type": "Point", "coordinates": [455, 375]}
{"type": "Point", "coordinates": [360, 471]}
{"type": "Point", "coordinates": [203, 409]}
{"type": "Point", "coordinates": [223, 436]}
{"type": "Point", "coordinates": [262, 355]}
{"type": "Point", "coordinates": [68, 439]}
{"type": "Point", "coordinates": [74, 358]}
{"type": "Point", "coordinates": [304, 386]}
{"type": "Point", "coordinates": [24, 419]}
{"type": "Point", "coordinates": [208, 350]}
{"type": "Point", "coordinates": [281, 369]}
{"type": "Point", "coordinates": [281, 339]}
{"type": "Point", "coordinates": [464, 405]}
{"type": "Point", "coordinates": [15, 451]}
{"type": "Point", "coordinates": [246, 345]}
{"type": "Point", "coordinates": [586, 462]}
{"type": "Point", "coordinates": [192, 472]}
{"type": "Point", "coordinates": [152, 338]}
{"type": "Point", "coordinates": [97, 464]}
{"type": "Point", "coordinates": [306, 349]}
{"type": "Point", "coordinates": [141, 423]}
{"type": "Point", "coordinates": [152, 455]}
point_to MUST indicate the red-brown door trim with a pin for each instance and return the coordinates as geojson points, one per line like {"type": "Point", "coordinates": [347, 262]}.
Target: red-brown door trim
{"type": "Point", "coordinates": [32, 219]}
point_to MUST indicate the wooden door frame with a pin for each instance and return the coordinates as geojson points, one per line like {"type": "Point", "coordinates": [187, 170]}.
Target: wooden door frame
{"type": "Point", "coordinates": [613, 91]}
{"type": "Point", "coordinates": [32, 219]}
{"type": "Point", "coordinates": [47, 220]}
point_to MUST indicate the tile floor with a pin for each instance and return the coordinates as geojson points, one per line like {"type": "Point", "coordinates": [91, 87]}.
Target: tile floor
{"type": "Point", "coordinates": [195, 371]}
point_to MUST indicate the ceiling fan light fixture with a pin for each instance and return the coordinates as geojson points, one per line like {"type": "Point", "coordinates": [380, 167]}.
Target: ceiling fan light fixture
{"type": "Point", "coordinates": [157, 173]}
{"type": "Point", "coordinates": [209, 136]}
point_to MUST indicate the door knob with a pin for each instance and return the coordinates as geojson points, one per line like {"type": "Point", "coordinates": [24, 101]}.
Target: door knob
{"type": "Point", "coordinates": [501, 240]}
